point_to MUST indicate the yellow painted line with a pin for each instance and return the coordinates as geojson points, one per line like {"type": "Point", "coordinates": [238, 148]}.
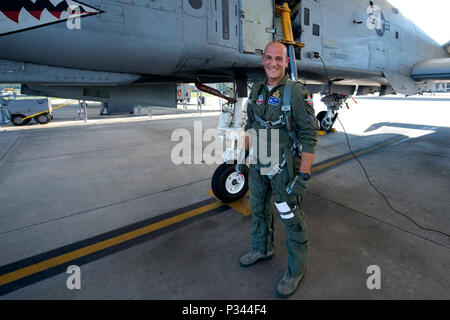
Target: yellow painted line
{"type": "Point", "coordinates": [41, 266]}
{"type": "Point", "coordinates": [350, 156]}
{"type": "Point", "coordinates": [242, 205]}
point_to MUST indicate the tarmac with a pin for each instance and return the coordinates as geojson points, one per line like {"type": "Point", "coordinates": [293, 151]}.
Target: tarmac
{"type": "Point", "coordinates": [105, 196]}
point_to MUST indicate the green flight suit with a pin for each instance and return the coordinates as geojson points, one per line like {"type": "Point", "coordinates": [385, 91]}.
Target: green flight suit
{"type": "Point", "coordinates": [267, 105]}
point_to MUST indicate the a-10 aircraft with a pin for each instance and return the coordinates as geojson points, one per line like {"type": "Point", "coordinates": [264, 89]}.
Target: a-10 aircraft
{"type": "Point", "coordinates": [136, 51]}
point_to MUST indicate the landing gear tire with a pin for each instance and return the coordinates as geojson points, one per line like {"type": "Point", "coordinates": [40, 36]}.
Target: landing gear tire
{"type": "Point", "coordinates": [324, 123]}
{"type": "Point", "coordinates": [228, 185]}
{"type": "Point", "coordinates": [42, 118]}
{"type": "Point", "coordinates": [18, 120]}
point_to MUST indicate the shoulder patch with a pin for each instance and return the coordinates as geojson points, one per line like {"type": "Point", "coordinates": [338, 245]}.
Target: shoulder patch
{"type": "Point", "coordinates": [309, 99]}
{"type": "Point", "coordinates": [260, 99]}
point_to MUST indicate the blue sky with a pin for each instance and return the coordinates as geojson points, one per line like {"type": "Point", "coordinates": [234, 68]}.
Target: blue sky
{"type": "Point", "coordinates": [432, 16]}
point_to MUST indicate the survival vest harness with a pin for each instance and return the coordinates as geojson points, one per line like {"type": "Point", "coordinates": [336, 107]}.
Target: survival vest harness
{"type": "Point", "coordinates": [285, 120]}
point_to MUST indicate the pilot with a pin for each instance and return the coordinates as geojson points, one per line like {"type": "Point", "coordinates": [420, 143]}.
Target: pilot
{"type": "Point", "coordinates": [268, 109]}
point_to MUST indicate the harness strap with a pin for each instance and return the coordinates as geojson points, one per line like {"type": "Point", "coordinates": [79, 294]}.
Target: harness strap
{"type": "Point", "coordinates": [285, 120]}
{"type": "Point", "coordinates": [269, 124]}
{"type": "Point", "coordinates": [287, 113]}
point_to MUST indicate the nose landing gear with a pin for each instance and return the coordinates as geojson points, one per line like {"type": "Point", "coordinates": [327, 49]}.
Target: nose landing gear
{"type": "Point", "coordinates": [228, 185]}
{"type": "Point", "coordinates": [326, 120]}
{"type": "Point", "coordinates": [334, 102]}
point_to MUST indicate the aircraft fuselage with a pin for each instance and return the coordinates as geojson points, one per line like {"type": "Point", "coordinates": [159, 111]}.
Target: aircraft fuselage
{"type": "Point", "coordinates": [185, 39]}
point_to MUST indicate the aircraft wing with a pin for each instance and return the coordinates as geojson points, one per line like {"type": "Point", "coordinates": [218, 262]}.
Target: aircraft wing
{"type": "Point", "coordinates": [432, 69]}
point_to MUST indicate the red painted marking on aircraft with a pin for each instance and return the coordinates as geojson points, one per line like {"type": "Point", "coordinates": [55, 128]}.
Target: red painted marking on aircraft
{"type": "Point", "coordinates": [13, 15]}
{"type": "Point", "coordinates": [36, 14]}
{"type": "Point", "coordinates": [56, 14]}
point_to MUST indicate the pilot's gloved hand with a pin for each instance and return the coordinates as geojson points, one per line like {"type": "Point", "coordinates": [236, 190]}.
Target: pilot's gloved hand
{"type": "Point", "coordinates": [297, 186]}
{"type": "Point", "coordinates": [241, 162]}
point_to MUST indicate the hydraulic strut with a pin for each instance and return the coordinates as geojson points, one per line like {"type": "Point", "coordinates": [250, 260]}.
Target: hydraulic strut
{"type": "Point", "coordinates": [288, 39]}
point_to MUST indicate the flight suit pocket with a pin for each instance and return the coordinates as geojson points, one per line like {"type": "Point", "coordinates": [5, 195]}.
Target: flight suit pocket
{"type": "Point", "coordinates": [296, 230]}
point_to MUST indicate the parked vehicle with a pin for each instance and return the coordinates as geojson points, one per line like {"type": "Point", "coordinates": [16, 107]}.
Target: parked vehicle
{"type": "Point", "coordinates": [22, 109]}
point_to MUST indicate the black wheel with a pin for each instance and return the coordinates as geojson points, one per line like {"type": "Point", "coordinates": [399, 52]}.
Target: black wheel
{"type": "Point", "coordinates": [324, 123]}
{"type": "Point", "coordinates": [18, 120]}
{"type": "Point", "coordinates": [228, 185]}
{"type": "Point", "coordinates": [42, 118]}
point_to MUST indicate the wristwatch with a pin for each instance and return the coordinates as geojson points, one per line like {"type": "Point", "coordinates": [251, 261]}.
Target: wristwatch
{"type": "Point", "coordinates": [305, 176]}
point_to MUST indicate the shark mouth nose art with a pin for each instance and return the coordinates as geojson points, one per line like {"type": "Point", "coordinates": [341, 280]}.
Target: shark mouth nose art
{"type": "Point", "coordinates": [21, 15]}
